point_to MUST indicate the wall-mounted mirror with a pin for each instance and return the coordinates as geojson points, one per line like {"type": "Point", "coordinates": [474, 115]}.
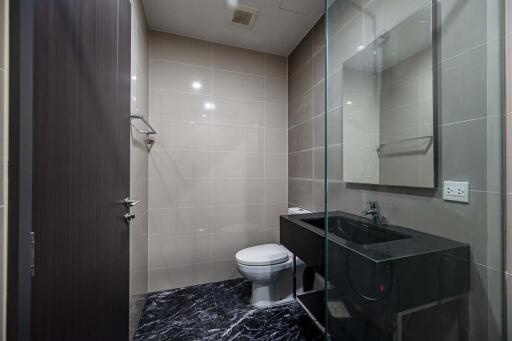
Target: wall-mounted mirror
{"type": "Point", "coordinates": [388, 111]}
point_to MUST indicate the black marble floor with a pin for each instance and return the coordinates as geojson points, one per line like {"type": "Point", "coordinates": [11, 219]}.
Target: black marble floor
{"type": "Point", "coordinates": [221, 311]}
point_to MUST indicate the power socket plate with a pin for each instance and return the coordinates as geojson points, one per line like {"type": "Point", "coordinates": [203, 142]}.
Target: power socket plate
{"type": "Point", "coordinates": [456, 191]}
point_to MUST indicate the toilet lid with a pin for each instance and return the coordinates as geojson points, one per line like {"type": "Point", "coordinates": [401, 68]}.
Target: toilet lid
{"type": "Point", "coordinates": [267, 254]}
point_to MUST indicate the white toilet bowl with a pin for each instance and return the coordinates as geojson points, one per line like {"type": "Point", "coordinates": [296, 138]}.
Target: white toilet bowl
{"type": "Point", "coordinates": [269, 267]}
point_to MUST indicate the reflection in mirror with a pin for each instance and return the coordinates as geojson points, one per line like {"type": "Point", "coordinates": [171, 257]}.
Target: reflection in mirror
{"type": "Point", "coordinates": [388, 112]}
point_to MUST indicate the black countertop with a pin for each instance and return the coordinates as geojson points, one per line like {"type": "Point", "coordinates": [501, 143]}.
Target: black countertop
{"type": "Point", "coordinates": [417, 243]}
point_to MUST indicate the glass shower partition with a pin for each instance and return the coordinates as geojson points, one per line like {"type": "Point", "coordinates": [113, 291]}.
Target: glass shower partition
{"type": "Point", "coordinates": [414, 208]}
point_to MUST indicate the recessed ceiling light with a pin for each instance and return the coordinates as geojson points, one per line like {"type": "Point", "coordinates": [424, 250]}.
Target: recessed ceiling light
{"type": "Point", "coordinates": [197, 85]}
{"type": "Point", "coordinates": [349, 102]}
{"type": "Point", "coordinates": [360, 47]}
{"type": "Point", "coordinates": [134, 77]}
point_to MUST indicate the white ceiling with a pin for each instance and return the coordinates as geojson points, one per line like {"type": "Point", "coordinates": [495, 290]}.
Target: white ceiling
{"type": "Point", "coordinates": [279, 27]}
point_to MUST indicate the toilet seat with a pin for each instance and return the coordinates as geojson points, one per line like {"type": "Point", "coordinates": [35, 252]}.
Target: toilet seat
{"type": "Point", "coordinates": [262, 255]}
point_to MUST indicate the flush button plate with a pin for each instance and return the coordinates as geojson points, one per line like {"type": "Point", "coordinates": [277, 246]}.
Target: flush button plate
{"type": "Point", "coordinates": [456, 191]}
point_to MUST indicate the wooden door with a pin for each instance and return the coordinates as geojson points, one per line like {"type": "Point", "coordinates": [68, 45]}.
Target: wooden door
{"type": "Point", "coordinates": [80, 288]}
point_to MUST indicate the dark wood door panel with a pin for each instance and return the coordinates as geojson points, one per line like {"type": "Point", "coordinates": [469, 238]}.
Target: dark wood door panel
{"type": "Point", "coordinates": [81, 169]}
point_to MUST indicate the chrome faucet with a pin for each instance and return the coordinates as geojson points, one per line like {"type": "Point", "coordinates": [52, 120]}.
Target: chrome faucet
{"type": "Point", "coordinates": [374, 210]}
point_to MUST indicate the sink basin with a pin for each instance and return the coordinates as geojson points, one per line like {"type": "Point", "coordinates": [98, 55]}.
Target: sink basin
{"type": "Point", "coordinates": [357, 232]}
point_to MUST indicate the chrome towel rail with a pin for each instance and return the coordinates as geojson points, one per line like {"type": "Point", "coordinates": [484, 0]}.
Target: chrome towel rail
{"type": "Point", "coordinates": [430, 137]}
{"type": "Point", "coordinates": [150, 131]}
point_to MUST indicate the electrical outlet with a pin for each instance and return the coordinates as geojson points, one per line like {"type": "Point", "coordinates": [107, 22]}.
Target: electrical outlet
{"type": "Point", "coordinates": [456, 191]}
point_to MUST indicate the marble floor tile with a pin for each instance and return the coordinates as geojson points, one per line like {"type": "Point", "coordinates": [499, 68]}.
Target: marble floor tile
{"type": "Point", "coordinates": [221, 311]}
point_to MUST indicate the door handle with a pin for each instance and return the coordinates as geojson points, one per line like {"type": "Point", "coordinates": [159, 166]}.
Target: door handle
{"type": "Point", "coordinates": [130, 203]}
{"type": "Point", "coordinates": [129, 217]}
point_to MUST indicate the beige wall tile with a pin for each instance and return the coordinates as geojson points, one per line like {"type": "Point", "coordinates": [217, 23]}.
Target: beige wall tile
{"type": "Point", "coordinates": [181, 135]}
{"type": "Point", "coordinates": [139, 254]}
{"type": "Point", "coordinates": [341, 13]}
{"type": "Point", "coordinates": [464, 157]}
{"type": "Point", "coordinates": [179, 276]}
{"type": "Point", "coordinates": [179, 164]}
{"type": "Point", "coordinates": [176, 48]}
{"type": "Point", "coordinates": [236, 59]}
{"type": "Point", "coordinates": [301, 165]}
{"type": "Point", "coordinates": [238, 218]}
{"type": "Point", "coordinates": [319, 99]}
{"type": "Point", "coordinates": [168, 75]}
{"type": "Point", "coordinates": [139, 191]}
{"type": "Point", "coordinates": [300, 55]}
{"type": "Point", "coordinates": [319, 130]}
{"type": "Point", "coordinates": [464, 93]}
{"type": "Point", "coordinates": [226, 245]}
{"type": "Point", "coordinates": [238, 112]}
{"type": "Point", "coordinates": [179, 193]}
{"type": "Point", "coordinates": [455, 37]}
{"type": "Point", "coordinates": [334, 84]}
{"type": "Point", "coordinates": [179, 221]}
{"type": "Point", "coordinates": [237, 139]}
{"type": "Point", "coordinates": [237, 191]}
{"type": "Point", "coordinates": [276, 140]}
{"type": "Point", "coordinates": [300, 193]}
{"type": "Point", "coordinates": [276, 90]}
{"type": "Point", "coordinates": [300, 109]}
{"type": "Point", "coordinates": [272, 236]}
{"type": "Point", "coordinates": [300, 137]}
{"type": "Point", "coordinates": [276, 66]}
{"type": "Point", "coordinates": [276, 166]}
{"type": "Point", "coordinates": [237, 85]}
{"type": "Point", "coordinates": [276, 190]}
{"type": "Point", "coordinates": [319, 35]}
{"type": "Point", "coordinates": [178, 251]}
{"type": "Point", "coordinates": [138, 159]}
{"type": "Point", "coordinates": [344, 43]}
{"type": "Point", "coordinates": [178, 106]}
{"type": "Point", "coordinates": [276, 115]}
{"type": "Point", "coordinates": [224, 270]}
{"type": "Point", "coordinates": [301, 81]}
{"type": "Point", "coordinates": [318, 66]}
{"type": "Point", "coordinates": [272, 213]}
{"type": "Point", "coordinates": [237, 165]}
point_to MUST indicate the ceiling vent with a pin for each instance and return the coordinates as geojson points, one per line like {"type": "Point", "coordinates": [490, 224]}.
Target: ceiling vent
{"type": "Point", "coordinates": [243, 16]}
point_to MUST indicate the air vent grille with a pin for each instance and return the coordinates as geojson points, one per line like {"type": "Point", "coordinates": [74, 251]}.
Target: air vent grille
{"type": "Point", "coordinates": [244, 16]}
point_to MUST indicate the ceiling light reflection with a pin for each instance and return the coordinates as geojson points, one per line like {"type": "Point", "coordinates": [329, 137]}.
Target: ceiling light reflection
{"type": "Point", "coordinates": [209, 106]}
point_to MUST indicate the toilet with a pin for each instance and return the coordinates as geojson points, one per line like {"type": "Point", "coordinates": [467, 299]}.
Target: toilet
{"type": "Point", "coordinates": [270, 269]}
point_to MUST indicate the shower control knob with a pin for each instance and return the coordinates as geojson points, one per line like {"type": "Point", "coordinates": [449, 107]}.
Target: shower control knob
{"type": "Point", "coordinates": [129, 217]}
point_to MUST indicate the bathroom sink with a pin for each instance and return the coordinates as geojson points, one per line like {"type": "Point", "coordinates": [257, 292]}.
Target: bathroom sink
{"type": "Point", "coordinates": [356, 231]}
{"type": "Point", "coordinates": [378, 271]}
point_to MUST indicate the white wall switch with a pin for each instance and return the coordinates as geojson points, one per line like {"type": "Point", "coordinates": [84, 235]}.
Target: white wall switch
{"type": "Point", "coordinates": [456, 191]}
